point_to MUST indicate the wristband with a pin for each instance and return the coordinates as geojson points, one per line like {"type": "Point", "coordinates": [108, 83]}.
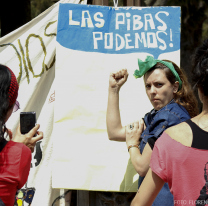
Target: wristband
{"type": "Point", "coordinates": [132, 145]}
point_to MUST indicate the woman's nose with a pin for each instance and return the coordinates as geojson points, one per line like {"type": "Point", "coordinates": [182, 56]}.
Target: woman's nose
{"type": "Point", "coordinates": [153, 90]}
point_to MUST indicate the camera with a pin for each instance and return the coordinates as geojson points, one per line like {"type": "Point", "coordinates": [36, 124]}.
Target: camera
{"type": "Point", "coordinates": [27, 121]}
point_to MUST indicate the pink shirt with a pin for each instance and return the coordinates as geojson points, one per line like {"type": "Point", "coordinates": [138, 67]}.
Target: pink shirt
{"type": "Point", "coordinates": [183, 168]}
{"type": "Point", "coordinates": [15, 159]}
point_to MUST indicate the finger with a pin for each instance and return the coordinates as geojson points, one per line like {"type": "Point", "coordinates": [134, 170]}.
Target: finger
{"type": "Point", "coordinates": [136, 124]}
{"type": "Point", "coordinates": [31, 148]}
{"type": "Point", "coordinates": [115, 75]}
{"type": "Point", "coordinates": [141, 124]}
{"type": "Point", "coordinates": [128, 128]}
{"type": "Point", "coordinates": [126, 76]}
{"type": "Point", "coordinates": [118, 75]}
{"type": "Point", "coordinates": [37, 138]}
{"type": "Point", "coordinates": [124, 72]}
{"type": "Point", "coordinates": [33, 144]}
{"type": "Point", "coordinates": [112, 74]}
{"type": "Point", "coordinates": [141, 120]}
{"type": "Point", "coordinates": [33, 131]}
{"type": "Point", "coordinates": [131, 126]}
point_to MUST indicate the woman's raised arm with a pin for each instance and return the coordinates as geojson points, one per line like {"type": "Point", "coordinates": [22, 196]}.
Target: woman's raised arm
{"type": "Point", "coordinates": [113, 120]}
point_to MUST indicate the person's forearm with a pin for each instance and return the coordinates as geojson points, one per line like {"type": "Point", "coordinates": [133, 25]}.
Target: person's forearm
{"type": "Point", "coordinates": [148, 190]}
{"type": "Point", "coordinates": [141, 161]}
{"type": "Point", "coordinates": [113, 119]}
{"type": "Point", "coordinates": [137, 162]}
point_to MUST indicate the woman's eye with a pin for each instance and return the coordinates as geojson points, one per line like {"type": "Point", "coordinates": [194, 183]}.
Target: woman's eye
{"type": "Point", "coordinates": [159, 84]}
{"type": "Point", "coordinates": [147, 86]}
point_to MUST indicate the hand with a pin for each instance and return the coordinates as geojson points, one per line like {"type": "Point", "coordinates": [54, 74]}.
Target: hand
{"type": "Point", "coordinates": [117, 79]}
{"type": "Point", "coordinates": [28, 139]}
{"type": "Point", "coordinates": [133, 135]}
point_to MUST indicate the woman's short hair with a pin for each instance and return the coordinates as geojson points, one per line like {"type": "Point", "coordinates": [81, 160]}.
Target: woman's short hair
{"type": "Point", "coordinates": [200, 67]}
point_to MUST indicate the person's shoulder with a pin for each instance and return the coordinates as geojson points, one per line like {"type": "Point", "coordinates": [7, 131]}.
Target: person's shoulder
{"type": "Point", "coordinates": [174, 112]}
{"type": "Point", "coordinates": [177, 130]}
{"type": "Point", "coordinates": [178, 109]}
{"type": "Point", "coordinates": [180, 132]}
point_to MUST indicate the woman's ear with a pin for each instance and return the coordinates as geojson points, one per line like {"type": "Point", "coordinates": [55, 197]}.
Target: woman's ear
{"type": "Point", "coordinates": [175, 87]}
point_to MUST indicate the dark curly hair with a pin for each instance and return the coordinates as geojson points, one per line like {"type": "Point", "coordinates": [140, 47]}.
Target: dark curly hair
{"type": "Point", "coordinates": [5, 79]}
{"type": "Point", "coordinates": [185, 96]}
{"type": "Point", "coordinates": [200, 67]}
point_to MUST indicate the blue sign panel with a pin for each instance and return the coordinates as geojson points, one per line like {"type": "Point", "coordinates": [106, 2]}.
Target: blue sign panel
{"type": "Point", "coordinates": [122, 30]}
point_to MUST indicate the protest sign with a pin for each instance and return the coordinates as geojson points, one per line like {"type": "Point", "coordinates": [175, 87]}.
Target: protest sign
{"type": "Point", "coordinates": [93, 41]}
{"type": "Point", "coordinates": [153, 30]}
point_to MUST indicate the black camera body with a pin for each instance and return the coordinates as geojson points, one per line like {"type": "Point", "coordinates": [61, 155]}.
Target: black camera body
{"type": "Point", "coordinates": [27, 121]}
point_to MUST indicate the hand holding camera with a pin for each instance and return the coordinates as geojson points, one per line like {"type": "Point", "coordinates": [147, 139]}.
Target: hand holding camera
{"type": "Point", "coordinates": [27, 132]}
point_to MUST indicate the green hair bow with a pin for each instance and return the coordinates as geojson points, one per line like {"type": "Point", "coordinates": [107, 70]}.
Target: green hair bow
{"type": "Point", "coordinates": [149, 62]}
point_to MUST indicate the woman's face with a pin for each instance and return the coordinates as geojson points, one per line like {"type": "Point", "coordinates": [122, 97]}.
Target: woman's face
{"type": "Point", "coordinates": [158, 88]}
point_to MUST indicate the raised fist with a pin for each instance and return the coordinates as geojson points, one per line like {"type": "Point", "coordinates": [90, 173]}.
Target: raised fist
{"type": "Point", "coordinates": [117, 79]}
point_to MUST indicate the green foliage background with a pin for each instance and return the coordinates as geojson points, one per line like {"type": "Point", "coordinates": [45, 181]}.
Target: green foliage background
{"type": "Point", "coordinates": [190, 8]}
{"type": "Point", "coordinates": [194, 21]}
{"type": "Point", "coordinates": [39, 6]}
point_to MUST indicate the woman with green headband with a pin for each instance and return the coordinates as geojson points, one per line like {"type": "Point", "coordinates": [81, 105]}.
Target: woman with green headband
{"type": "Point", "coordinates": [180, 156]}
{"type": "Point", "coordinates": [173, 102]}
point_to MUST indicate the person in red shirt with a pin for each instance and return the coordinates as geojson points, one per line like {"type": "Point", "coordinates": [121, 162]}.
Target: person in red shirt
{"type": "Point", "coordinates": [15, 156]}
{"type": "Point", "coordinates": [180, 155]}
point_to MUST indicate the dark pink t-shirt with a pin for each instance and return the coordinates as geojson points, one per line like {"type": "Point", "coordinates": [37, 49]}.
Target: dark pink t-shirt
{"type": "Point", "coordinates": [15, 161]}
{"type": "Point", "coordinates": [185, 169]}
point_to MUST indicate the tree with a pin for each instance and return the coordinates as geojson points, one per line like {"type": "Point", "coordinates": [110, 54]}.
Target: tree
{"type": "Point", "coordinates": [14, 14]}
{"type": "Point", "coordinates": [39, 6]}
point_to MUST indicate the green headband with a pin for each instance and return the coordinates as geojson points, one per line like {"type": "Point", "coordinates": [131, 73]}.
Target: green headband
{"type": "Point", "coordinates": [151, 62]}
